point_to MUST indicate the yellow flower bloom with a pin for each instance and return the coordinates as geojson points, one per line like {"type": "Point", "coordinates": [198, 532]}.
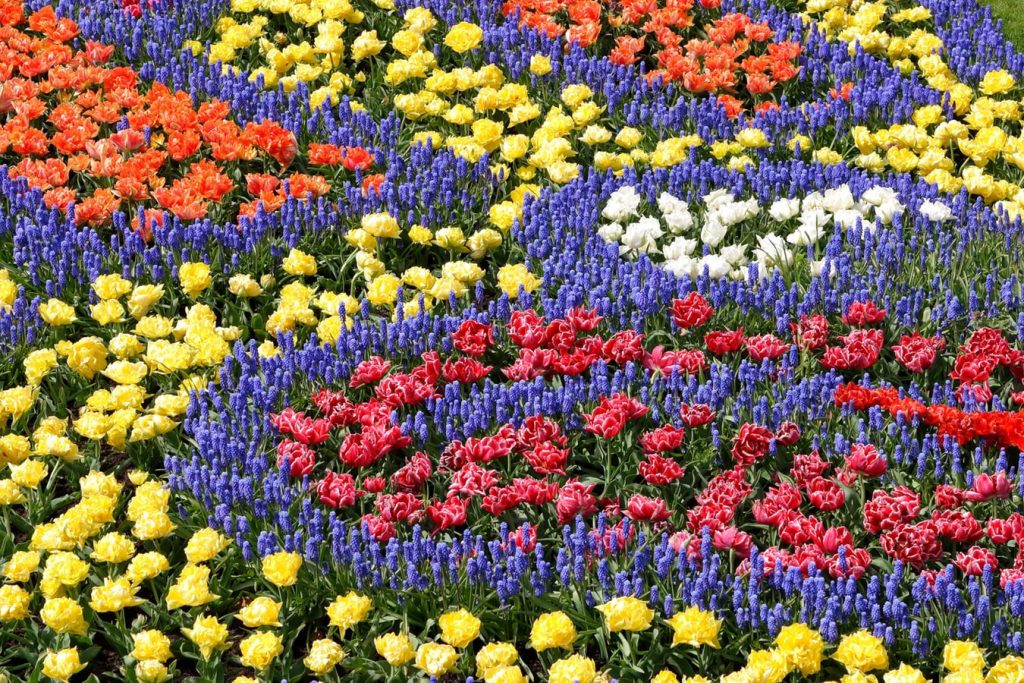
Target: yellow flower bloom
{"type": "Point", "coordinates": [562, 172]}
{"type": "Point", "coordinates": [10, 493]}
{"type": "Point", "coordinates": [62, 664]}
{"type": "Point", "coordinates": [113, 548]}
{"type": "Point", "coordinates": [8, 290]}
{"type": "Point", "coordinates": [540, 65]}
{"type": "Point", "coordinates": [56, 313]}
{"type": "Point", "coordinates": [904, 674]}
{"type": "Point", "coordinates": [38, 365]}
{"type": "Point", "coordinates": [111, 286]}
{"type": "Point", "coordinates": [64, 615]}
{"type": "Point", "coordinates": [380, 225]}
{"type": "Point", "coordinates": [154, 327]}
{"type": "Point", "coordinates": [208, 634]}
{"type": "Point", "coordinates": [194, 277]}
{"type": "Point", "coordinates": [244, 286]}
{"type": "Point", "coordinates": [459, 628]}
{"type": "Point", "coordinates": [192, 588]}
{"type": "Point", "coordinates": [464, 37]}
{"type": "Point", "coordinates": [14, 601]}
{"type": "Point", "coordinates": [861, 651]}
{"type": "Point", "coordinates": [299, 263]}
{"type": "Point", "coordinates": [506, 674]}
{"type": "Point", "coordinates": [58, 446]}
{"type": "Point", "coordinates": [626, 614]}
{"type": "Point", "coordinates": [463, 271]}
{"type": "Point", "coordinates": [63, 569]}
{"type": "Point", "coordinates": [149, 497]}
{"type": "Point", "coordinates": [487, 133]}
{"type": "Point", "coordinates": [151, 671]}
{"type": "Point", "coordinates": [997, 82]}
{"type": "Point", "coordinates": [146, 566]}
{"type": "Point", "coordinates": [366, 45]}
{"type": "Point", "coordinates": [802, 646]}
{"type": "Point", "coordinates": [29, 473]}
{"type": "Point", "coordinates": [268, 349]}
{"type": "Point", "coordinates": [148, 426]}
{"type": "Point", "coordinates": [420, 234]}
{"type": "Point", "coordinates": [126, 346]}
{"type": "Point", "coordinates": [965, 676]}
{"type": "Point", "coordinates": [324, 655]}
{"type": "Point", "coordinates": [665, 676]}
{"type": "Point", "coordinates": [828, 157]}
{"type": "Point", "coordinates": [87, 356]}
{"type": "Point", "coordinates": [1007, 670]}
{"type": "Point", "coordinates": [436, 659]}
{"type": "Point", "coordinates": [695, 627]}
{"type": "Point", "coordinates": [260, 649]}
{"type": "Point", "coordinates": [753, 138]}
{"type": "Point", "coordinates": [14, 448]}
{"type": "Point", "coordinates": [962, 654]}
{"type": "Point", "coordinates": [512, 277]}
{"type": "Point", "coordinates": [801, 141]}
{"type": "Point", "coordinates": [262, 611]}
{"type": "Point", "coordinates": [21, 566]}
{"type": "Point", "coordinates": [493, 656]}
{"type": "Point", "coordinates": [450, 238]}
{"type": "Point", "coordinates": [114, 595]}
{"type": "Point", "coordinates": [205, 544]}
{"type": "Point", "coordinates": [282, 568]}
{"type": "Point", "coordinates": [419, 19]}
{"type": "Point", "coordinates": [50, 537]}
{"type": "Point", "coordinates": [151, 644]}
{"type": "Point", "coordinates": [329, 329]}
{"type": "Point", "coordinates": [383, 290]}
{"type": "Point", "coordinates": [595, 135]}
{"type": "Point", "coordinates": [573, 669]}
{"type": "Point", "coordinates": [407, 42]}
{"type": "Point", "coordinates": [482, 242]}
{"type": "Point", "coordinates": [105, 483]}
{"type": "Point", "coordinates": [126, 372]}
{"type": "Point", "coordinates": [552, 629]}
{"type": "Point", "coordinates": [143, 298]}
{"type": "Point", "coordinates": [628, 137]}
{"type": "Point", "coordinates": [395, 648]}
{"type": "Point", "coordinates": [348, 610]}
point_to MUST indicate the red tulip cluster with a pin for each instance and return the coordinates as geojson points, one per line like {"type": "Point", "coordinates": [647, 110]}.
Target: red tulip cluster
{"type": "Point", "coordinates": [833, 514]}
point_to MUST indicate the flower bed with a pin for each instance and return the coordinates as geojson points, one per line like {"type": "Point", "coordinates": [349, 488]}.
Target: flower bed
{"type": "Point", "coordinates": [510, 341]}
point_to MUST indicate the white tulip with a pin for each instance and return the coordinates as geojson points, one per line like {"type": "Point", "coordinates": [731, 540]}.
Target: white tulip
{"type": "Point", "coordinates": [610, 232]}
{"type": "Point", "coordinates": [936, 211]}
{"type": "Point", "coordinates": [679, 221]}
{"type": "Point", "coordinates": [713, 232]}
{"type": "Point", "coordinates": [772, 250]}
{"type": "Point", "coordinates": [784, 209]}
{"type": "Point", "coordinates": [668, 203]}
{"type": "Point", "coordinates": [681, 266]}
{"type": "Point", "coordinates": [641, 237]}
{"type": "Point", "coordinates": [717, 198]}
{"type": "Point", "coordinates": [878, 195]}
{"type": "Point", "coordinates": [838, 199]}
{"type": "Point", "coordinates": [716, 266]}
{"type": "Point", "coordinates": [678, 248]}
{"type": "Point", "coordinates": [735, 254]}
{"type": "Point", "coordinates": [622, 204]}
